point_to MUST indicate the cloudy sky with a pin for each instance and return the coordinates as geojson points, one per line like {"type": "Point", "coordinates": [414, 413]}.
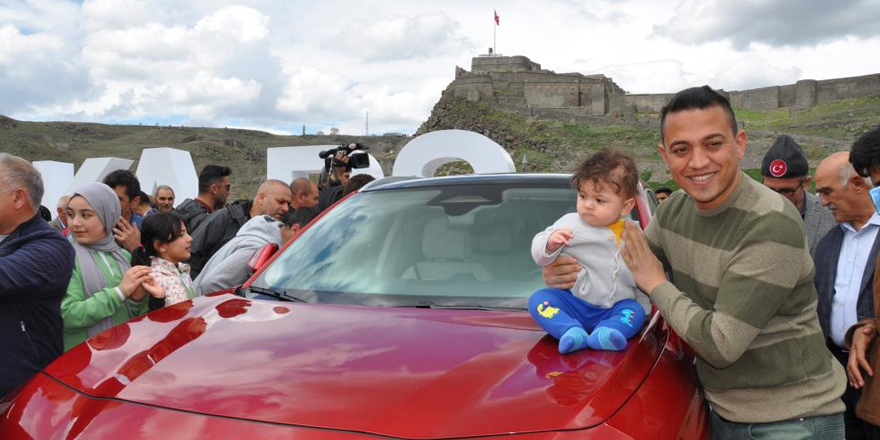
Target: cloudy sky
{"type": "Point", "coordinates": [276, 65]}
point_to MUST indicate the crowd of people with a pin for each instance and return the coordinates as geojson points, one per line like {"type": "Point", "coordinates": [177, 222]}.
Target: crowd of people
{"type": "Point", "coordinates": [113, 252]}
{"type": "Point", "coordinates": [773, 287]}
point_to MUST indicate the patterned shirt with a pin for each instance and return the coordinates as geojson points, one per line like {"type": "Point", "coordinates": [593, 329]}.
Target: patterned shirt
{"type": "Point", "coordinates": [174, 279]}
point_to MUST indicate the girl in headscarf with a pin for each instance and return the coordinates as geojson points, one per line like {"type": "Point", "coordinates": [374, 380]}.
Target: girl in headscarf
{"type": "Point", "coordinates": [104, 290]}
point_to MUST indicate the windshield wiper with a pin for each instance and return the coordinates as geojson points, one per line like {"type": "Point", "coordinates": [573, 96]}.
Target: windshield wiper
{"type": "Point", "coordinates": [433, 305]}
{"type": "Point", "coordinates": [277, 294]}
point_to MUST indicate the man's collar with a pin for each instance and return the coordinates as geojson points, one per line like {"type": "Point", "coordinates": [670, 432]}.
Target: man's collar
{"type": "Point", "coordinates": [874, 220]}
{"type": "Point", "coordinates": [204, 204]}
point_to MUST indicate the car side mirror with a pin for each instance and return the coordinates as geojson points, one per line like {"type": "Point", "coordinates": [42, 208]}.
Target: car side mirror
{"type": "Point", "coordinates": [262, 256]}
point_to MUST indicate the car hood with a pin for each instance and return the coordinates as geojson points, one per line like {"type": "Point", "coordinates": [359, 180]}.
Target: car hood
{"type": "Point", "coordinates": [400, 372]}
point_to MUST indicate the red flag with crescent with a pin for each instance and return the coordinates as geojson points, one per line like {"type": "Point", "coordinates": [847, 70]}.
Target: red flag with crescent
{"type": "Point", "coordinates": [497, 19]}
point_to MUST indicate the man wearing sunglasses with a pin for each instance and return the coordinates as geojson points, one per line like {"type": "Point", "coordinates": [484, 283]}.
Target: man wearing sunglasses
{"type": "Point", "coordinates": [864, 356]}
{"type": "Point", "coordinates": [786, 171]}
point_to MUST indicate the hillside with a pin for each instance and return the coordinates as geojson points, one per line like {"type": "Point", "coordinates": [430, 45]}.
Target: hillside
{"type": "Point", "coordinates": [558, 144]}
{"type": "Point", "coordinates": [242, 150]}
{"type": "Point", "coordinates": [551, 143]}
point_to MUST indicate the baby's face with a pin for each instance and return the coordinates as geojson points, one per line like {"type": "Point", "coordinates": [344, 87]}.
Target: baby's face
{"type": "Point", "coordinates": [599, 205]}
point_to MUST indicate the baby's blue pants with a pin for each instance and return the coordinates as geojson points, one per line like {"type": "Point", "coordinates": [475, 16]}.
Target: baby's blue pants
{"type": "Point", "coordinates": [557, 310]}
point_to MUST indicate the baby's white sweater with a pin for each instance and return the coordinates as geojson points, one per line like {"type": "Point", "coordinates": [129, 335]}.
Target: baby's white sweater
{"type": "Point", "coordinates": [604, 278]}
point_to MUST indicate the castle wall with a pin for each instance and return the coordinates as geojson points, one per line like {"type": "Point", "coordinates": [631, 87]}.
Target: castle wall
{"type": "Point", "coordinates": [503, 64]}
{"type": "Point", "coordinates": [646, 103]}
{"type": "Point", "coordinates": [765, 98]}
{"type": "Point", "coordinates": [845, 88]}
{"type": "Point", "coordinates": [551, 94]}
{"type": "Point", "coordinates": [805, 94]}
{"type": "Point", "coordinates": [517, 82]}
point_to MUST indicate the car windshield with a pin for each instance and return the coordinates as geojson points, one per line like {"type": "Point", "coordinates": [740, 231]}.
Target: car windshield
{"type": "Point", "coordinates": [447, 246]}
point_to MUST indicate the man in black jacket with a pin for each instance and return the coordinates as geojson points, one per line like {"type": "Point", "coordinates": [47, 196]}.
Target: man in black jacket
{"type": "Point", "coordinates": [213, 191]}
{"type": "Point", "coordinates": [273, 199]}
{"type": "Point", "coordinates": [36, 264]}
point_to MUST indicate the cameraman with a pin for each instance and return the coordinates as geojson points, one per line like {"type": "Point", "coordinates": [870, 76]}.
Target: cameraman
{"type": "Point", "coordinates": [337, 172]}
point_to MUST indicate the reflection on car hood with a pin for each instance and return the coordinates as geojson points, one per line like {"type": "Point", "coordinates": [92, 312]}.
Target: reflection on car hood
{"type": "Point", "coordinates": [408, 373]}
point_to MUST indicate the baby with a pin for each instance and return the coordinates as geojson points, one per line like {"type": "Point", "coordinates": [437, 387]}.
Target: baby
{"type": "Point", "coordinates": [605, 308]}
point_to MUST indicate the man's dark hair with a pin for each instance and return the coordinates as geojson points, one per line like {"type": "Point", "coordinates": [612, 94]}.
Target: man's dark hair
{"type": "Point", "coordinates": [210, 175]}
{"type": "Point", "coordinates": [611, 167]}
{"type": "Point", "coordinates": [145, 199]}
{"type": "Point", "coordinates": [124, 178]}
{"type": "Point", "coordinates": [864, 155]}
{"type": "Point", "coordinates": [301, 216]}
{"type": "Point", "coordinates": [357, 182]}
{"type": "Point", "coordinates": [697, 98]}
{"type": "Point", "coordinates": [663, 189]}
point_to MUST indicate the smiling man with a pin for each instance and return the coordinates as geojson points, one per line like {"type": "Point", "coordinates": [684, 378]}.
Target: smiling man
{"type": "Point", "coordinates": [164, 198]}
{"type": "Point", "coordinates": [741, 291]}
{"type": "Point", "coordinates": [785, 170]}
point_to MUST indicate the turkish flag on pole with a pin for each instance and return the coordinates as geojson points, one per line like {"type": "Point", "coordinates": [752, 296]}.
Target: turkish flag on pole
{"type": "Point", "coordinates": [497, 20]}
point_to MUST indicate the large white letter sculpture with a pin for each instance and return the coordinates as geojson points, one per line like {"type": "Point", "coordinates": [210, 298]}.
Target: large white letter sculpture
{"type": "Point", "coordinates": [424, 154]}
{"type": "Point", "coordinates": [94, 170]}
{"type": "Point", "coordinates": [168, 166]}
{"type": "Point", "coordinates": [56, 178]}
{"type": "Point", "coordinates": [288, 163]}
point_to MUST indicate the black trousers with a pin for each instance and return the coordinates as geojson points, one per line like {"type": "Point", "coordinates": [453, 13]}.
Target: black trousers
{"type": "Point", "coordinates": [856, 428]}
{"type": "Point", "coordinates": [872, 432]}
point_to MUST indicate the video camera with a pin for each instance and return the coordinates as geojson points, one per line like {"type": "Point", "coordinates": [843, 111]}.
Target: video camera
{"type": "Point", "coordinates": [354, 160]}
{"type": "Point", "coordinates": [350, 156]}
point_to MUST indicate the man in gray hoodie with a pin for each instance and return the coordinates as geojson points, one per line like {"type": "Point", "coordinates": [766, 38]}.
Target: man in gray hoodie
{"type": "Point", "coordinates": [229, 266]}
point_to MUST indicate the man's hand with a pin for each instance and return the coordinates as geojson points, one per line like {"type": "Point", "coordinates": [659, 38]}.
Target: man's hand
{"type": "Point", "coordinates": [861, 338]}
{"type": "Point", "coordinates": [645, 267]}
{"type": "Point", "coordinates": [127, 235]}
{"type": "Point", "coordinates": [558, 238]}
{"type": "Point", "coordinates": [561, 273]}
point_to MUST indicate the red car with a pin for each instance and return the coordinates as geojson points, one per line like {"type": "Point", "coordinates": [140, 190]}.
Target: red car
{"type": "Point", "coordinates": [399, 314]}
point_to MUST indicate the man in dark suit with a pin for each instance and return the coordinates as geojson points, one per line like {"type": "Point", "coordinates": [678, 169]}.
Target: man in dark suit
{"type": "Point", "coordinates": [845, 260]}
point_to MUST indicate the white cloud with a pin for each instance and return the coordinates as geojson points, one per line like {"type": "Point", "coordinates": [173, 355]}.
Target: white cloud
{"type": "Point", "coordinates": [119, 14]}
{"type": "Point", "coordinates": [775, 23]}
{"type": "Point", "coordinates": [15, 46]}
{"type": "Point", "coordinates": [266, 63]}
{"type": "Point", "coordinates": [35, 71]}
{"type": "Point", "coordinates": [402, 38]}
{"type": "Point", "coordinates": [237, 22]}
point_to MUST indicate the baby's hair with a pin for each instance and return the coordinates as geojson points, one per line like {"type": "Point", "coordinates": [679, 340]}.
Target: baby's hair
{"type": "Point", "coordinates": [163, 227]}
{"type": "Point", "coordinates": [612, 167]}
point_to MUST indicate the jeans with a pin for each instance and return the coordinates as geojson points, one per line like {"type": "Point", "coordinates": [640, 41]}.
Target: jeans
{"type": "Point", "coordinates": [818, 428]}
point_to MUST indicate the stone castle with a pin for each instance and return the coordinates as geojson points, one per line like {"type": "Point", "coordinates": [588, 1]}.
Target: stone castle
{"type": "Point", "coordinates": [517, 83]}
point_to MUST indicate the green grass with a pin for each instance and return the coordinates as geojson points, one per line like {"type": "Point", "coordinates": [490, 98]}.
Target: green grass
{"type": "Point", "coordinates": [844, 120]}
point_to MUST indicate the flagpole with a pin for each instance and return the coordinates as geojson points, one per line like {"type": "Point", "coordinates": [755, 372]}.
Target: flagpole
{"type": "Point", "coordinates": [494, 46]}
